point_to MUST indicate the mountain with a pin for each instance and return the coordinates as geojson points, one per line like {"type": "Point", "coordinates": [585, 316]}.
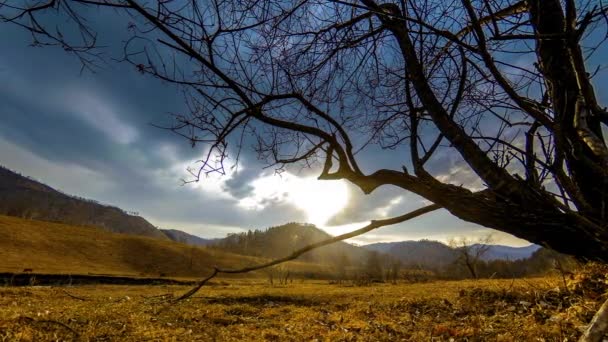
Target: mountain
{"type": "Point", "coordinates": [499, 252]}
{"type": "Point", "coordinates": [24, 197]}
{"type": "Point", "coordinates": [420, 254]}
{"type": "Point", "coordinates": [434, 254]}
{"type": "Point", "coordinates": [276, 242]}
{"type": "Point", "coordinates": [55, 248]}
{"type": "Point", "coordinates": [189, 239]}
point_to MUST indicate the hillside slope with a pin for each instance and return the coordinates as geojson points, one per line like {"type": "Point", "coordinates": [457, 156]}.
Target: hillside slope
{"type": "Point", "coordinates": [282, 240]}
{"type": "Point", "coordinates": [26, 198]}
{"type": "Point", "coordinates": [189, 239]}
{"type": "Point", "coordinates": [423, 253]}
{"type": "Point", "coordinates": [46, 247]}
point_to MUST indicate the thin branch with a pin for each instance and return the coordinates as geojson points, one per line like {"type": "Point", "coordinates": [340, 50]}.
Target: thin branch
{"type": "Point", "coordinates": [374, 224]}
{"type": "Point", "coordinates": [72, 296]}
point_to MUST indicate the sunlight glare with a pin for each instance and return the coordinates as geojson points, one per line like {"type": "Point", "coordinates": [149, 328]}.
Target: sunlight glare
{"type": "Point", "coordinates": [320, 200]}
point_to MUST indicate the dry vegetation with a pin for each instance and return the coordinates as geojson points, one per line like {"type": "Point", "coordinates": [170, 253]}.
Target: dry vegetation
{"type": "Point", "coordinates": [504, 310]}
{"type": "Point", "coordinates": [48, 247]}
{"type": "Point", "coordinates": [538, 309]}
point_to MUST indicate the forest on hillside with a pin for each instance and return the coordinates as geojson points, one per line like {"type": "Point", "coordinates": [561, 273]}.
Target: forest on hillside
{"type": "Point", "coordinates": [350, 262]}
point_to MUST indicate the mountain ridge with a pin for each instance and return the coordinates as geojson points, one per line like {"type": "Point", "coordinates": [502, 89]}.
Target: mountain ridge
{"type": "Point", "coordinates": [24, 197]}
{"type": "Point", "coordinates": [187, 238]}
{"type": "Point", "coordinates": [279, 241]}
{"type": "Point", "coordinates": [435, 254]}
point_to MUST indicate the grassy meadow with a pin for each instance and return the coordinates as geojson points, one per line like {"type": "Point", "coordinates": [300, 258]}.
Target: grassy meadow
{"type": "Point", "coordinates": [232, 310]}
{"type": "Point", "coordinates": [252, 309]}
{"type": "Point", "coordinates": [46, 247]}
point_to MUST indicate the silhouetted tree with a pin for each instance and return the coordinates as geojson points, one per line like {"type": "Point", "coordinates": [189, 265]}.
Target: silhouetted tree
{"type": "Point", "coordinates": [470, 252]}
{"type": "Point", "coordinates": [501, 84]}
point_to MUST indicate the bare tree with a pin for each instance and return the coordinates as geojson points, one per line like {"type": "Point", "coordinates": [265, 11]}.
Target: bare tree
{"type": "Point", "coordinates": [470, 252]}
{"type": "Point", "coordinates": [280, 272]}
{"type": "Point", "coordinates": [501, 84]}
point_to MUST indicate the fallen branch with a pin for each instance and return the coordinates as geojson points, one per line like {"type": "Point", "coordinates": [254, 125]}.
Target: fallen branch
{"type": "Point", "coordinates": [74, 297]}
{"type": "Point", "coordinates": [598, 326]}
{"type": "Point", "coordinates": [374, 224]}
{"type": "Point", "coordinates": [34, 322]}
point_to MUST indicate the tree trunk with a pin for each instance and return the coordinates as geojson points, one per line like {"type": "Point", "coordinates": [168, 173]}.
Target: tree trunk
{"type": "Point", "coordinates": [535, 220]}
{"type": "Point", "coordinates": [561, 62]}
{"type": "Point", "coordinates": [471, 268]}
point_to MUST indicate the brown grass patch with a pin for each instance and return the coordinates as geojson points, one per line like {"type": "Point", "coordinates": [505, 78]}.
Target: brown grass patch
{"type": "Point", "coordinates": [501, 310]}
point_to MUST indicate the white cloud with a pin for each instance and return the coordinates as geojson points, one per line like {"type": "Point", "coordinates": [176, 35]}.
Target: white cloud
{"type": "Point", "coordinates": [461, 175]}
{"type": "Point", "coordinates": [267, 189]}
{"type": "Point", "coordinates": [100, 113]}
{"type": "Point", "coordinates": [319, 200]}
{"type": "Point", "coordinates": [385, 210]}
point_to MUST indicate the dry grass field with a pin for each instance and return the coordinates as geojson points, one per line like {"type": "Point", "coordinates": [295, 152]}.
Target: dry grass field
{"type": "Point", "coordinates": [54, 248]}
{"type": "Point", "coordinates": [486, 310]}
{"type": "Point", "coordinates": [230, 309]}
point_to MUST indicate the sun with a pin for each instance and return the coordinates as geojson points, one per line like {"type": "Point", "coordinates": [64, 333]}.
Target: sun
{"type": "Point", "coordinates": [320, 200]}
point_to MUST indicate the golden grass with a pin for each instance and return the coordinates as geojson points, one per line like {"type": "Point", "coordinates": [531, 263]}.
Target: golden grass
{"type": "Point", "coordinates": [47, 247]}
{"type": "Point", "coordinates": [486, 310]}
{"type": "Point", "coordinates": [251, 310]}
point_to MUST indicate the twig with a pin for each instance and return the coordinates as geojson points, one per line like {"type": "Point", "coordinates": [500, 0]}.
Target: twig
{"type": "Point", "coordinates": [374, 224]}
{"type": "Point", "coordinates": [32, 321]}
{"type": "Point", "coordinates": [72, 296]}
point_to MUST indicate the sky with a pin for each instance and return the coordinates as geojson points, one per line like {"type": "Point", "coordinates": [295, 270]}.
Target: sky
{"type": "Point", "coordinates": [93, 135]}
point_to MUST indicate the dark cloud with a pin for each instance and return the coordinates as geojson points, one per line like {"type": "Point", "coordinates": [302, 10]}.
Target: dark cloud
{"type": "Point", "coordinates": [239, 185]}
{"type": "Point", "coordinates": [91, 135]}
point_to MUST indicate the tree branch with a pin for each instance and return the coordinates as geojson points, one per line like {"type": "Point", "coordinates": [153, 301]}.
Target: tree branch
{"type": "Point", "coordinates": [374, 224]}
{"type": "Point", "coordinates": [598, 326]}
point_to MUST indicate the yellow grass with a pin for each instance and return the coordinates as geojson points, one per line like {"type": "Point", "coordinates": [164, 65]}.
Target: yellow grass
{"type": "Point", "coordinates": [250, 309]}
{"type": "Point", "coordinates": [488, 310]}
{"type": "Point", "coordinates": [48, 247]}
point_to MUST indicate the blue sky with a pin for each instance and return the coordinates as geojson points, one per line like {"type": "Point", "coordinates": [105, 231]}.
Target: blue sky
{"type": "Point", "coordinates": [91, 135]}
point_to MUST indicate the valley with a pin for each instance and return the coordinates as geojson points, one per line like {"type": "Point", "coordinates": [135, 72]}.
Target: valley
{"type": "Point", "coordinates": [91, 282]}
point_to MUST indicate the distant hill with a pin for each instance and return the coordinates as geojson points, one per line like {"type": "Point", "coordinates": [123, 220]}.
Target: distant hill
{"type": "Point", "coordinates": [280, 241]}
{"type": "Point", "coordinates": [189, 239]}
{"type": "Point", "coordinates": [499, 252]}
{"type": "Point", "coordinates": [418, 254]}
{"type": "Point", "coordinates": [46, 247]}
{"type": "Point", "coordinates": [434, 254]}
{"type": "Point", "coordinates": [24, 197]}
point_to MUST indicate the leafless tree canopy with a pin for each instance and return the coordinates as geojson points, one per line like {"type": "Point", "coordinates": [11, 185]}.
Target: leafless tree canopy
{"type": "Point", "coordinates": [471, 252]}
{"type": "Point", "coordinates": [503, 84]}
